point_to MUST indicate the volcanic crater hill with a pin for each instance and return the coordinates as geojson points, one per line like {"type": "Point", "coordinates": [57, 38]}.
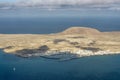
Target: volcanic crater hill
{"type": "Point", "coordinates": [81, 30]}
{"type": "Point", "coordinates": [82, 41]}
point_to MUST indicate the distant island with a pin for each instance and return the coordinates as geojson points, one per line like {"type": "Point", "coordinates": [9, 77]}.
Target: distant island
{"type": "Point", "coordinates": [75, 42]}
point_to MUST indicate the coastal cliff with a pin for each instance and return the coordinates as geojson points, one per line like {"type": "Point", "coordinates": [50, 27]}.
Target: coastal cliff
{"type": "Point", "coordinates": [76, 41]}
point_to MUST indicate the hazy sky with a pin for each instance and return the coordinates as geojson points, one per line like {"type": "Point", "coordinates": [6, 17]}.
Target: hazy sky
{"type": "Point", "coordinates": [82, 4]}
{"type": "Point", "coordinates": [7, 0]}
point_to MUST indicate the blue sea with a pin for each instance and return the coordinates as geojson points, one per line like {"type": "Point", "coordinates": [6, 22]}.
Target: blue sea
{"type": "Point", "coordinates": [45, 21]}
{"type": "Point", "coordinates": [25, 21]}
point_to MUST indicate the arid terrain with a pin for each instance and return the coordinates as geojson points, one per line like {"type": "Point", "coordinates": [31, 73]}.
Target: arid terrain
{"type": "Point", "coordinates": [79, 41]}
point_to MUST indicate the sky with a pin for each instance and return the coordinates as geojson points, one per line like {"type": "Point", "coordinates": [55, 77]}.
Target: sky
{"type": "Point", "coordinates": [81, 4]}
{"type": "Point", "coordinates": [7, 0]}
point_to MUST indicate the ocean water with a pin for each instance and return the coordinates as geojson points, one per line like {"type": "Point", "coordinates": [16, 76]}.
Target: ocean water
{"type": "Point", "coordinates": [88, 68]}
{"type": "Point", "coordinates": [44, 22]}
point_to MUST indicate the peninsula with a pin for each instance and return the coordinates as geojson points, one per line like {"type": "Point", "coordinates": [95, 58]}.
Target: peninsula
{"type": "Point", "coordinates": [74, 41]}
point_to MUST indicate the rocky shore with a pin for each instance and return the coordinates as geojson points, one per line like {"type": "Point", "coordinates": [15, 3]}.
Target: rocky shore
{"type": "Point", "coordinates": [74, 42]}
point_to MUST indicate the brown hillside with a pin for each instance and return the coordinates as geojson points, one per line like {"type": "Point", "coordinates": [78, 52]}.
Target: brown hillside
{"type": "Point", "coordinates": [81, 30]}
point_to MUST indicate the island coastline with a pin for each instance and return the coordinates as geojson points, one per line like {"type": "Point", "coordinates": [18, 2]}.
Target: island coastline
{"type": "Point", "coordinates": [78, 41]}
